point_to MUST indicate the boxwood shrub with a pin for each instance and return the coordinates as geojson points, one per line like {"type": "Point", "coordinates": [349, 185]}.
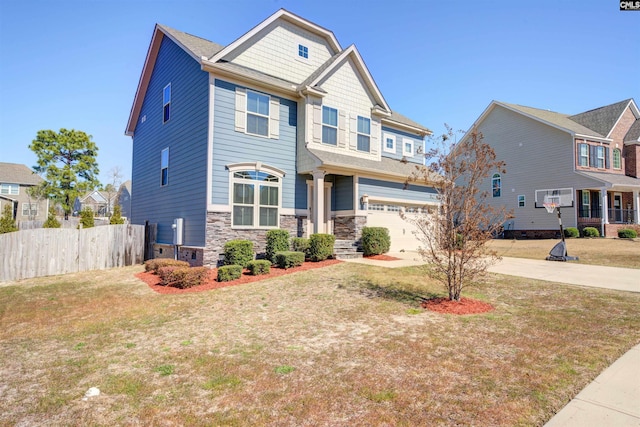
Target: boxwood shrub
{"type": "Point", "coordinates": [321, 246]}
{"type": "Point", "coordinates": [627, 233]}
{"type": "Point", "coordinates": [375, 240]}
{"type": "Point", "coordinates": [288, 259]}
{"type": "Point", "coordinates": [182, 277]}
{"type": "Point", "coordinates": [238, 252]}
{"type": "Point", "coordinates": [277, 241]}
{"type": "Point", "coordinates": [590, 232]}
{"type": "Point", "coordinates": [301, 244]}
{"type": "Point", "coordinates": [258, 267]}
{"type": "Point", "coordinates": [571, 232]}
{"type": "Point", "coordinates": [226, 273]}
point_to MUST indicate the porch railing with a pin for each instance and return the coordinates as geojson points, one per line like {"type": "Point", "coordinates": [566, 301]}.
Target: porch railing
{"type": "Point", "coordinates": [616, 216]}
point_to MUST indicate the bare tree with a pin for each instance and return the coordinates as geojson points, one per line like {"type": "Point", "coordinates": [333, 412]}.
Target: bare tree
{"type": "Point", "coordinates": [36, 194]}
{"type": "Point", "coordinates": [454, 239]}
{"type": "Point", "coordinates": [111, 189]}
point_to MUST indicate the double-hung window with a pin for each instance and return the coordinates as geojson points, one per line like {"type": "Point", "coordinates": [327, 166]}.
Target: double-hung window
{"type": "Point", "coordinates": [364, 134]}
{"type": "Point", "coordinates": [30, 209]}
{"type": "Point", "coordinates": [600, 157]}
{"type": "Point", "coordinates": [166, 103]}
{"type": "Point", "coordinates": [496, 185]}
{"type": "Point", "coordinates": [586, 204]}
{"type": "Point", "coordinates": [257, 113]}
{"type": "Point", "coordinates": [584, 155]}
{"type": "Point", "coordinates": [521, 201]}
{"type": "Point", "coordinates": [256, 199]}
{"type": "Point", "coordinates": [164, 167]}
{"type": "Point", "coordinates": [617, 159]}
{"type": "Point", "coordinates": [11, 189]}
{"type": "Point", "coordinates": [329, 125]}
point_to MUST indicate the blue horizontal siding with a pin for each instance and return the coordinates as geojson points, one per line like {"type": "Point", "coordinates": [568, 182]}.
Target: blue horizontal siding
{"type": "Point", "coordinates": [186, 136]}
{"type": "Point", "coordinates": [418, 141]}
{"type": "Point", "coordinates": [234, 147]}
{"type": "Point", "coordinates": [301, 191]}
{"type": "Point", "coordinates": [342, 193]}
{"type": "Point", "coordinates": [395, 190]}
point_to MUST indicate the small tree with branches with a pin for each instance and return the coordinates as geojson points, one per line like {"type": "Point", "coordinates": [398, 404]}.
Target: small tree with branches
{"type": "Point", "coordinates": [454, 239]}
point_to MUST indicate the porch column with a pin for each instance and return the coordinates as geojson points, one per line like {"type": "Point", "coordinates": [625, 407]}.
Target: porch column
{"type": "Point", "coordinates": [636, 207]}
{"type": "Point", "coordinates": [318, 201]}
{"type": "Point", "coordinates": [605, 210]}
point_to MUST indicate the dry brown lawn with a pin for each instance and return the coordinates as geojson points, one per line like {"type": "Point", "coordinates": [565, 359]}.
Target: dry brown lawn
{"type": "Point", "coordinates": [599, 251]}
{"type": "Point", "coordinates": [345, 345]}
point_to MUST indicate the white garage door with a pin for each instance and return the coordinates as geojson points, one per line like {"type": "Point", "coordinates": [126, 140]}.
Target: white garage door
{"type": "Point", "coordinates": [401, 231]}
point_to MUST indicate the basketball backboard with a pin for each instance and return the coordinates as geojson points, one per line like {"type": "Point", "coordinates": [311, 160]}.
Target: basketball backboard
{"type": "Point", "coordinates": [562, 197]}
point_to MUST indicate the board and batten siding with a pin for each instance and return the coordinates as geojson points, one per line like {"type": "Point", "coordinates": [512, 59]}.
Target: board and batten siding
{"type": "Point", "coordinates": [537, 157]}
{"type": "Point", "coordinates": [276, 52]}
{"type": "Point", "coordinates": [399, 135]}
{"type": "Point", "coordinates": [395, 191]}
{"type": "Point", "coordinates": [185, 134]}
{"type": "Point", "coordinates": [231, 146]}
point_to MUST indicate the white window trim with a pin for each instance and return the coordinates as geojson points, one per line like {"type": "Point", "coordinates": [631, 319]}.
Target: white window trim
{"type": "Point", "coordinates": [583, 155]}
{"type": "Point", "coordinates": [247, 112]}
{"type": "Point", "coordinates": [162, 168]}
{"type": "Point", "coordinates": [599, 158]}
{"type": "Point", "coordinates": [164, 104]}
{"type": "Point", "coordinates": [336, 127]}
{"type": "Point", "coordinates": [258, 167]}
{"type": "Point", "coordinates": [406, 141]}
{"type": "Point", "coordinates": [613, 159]}
{"type": "Point", "coordinates": [358, 133]}
{"type": "Point", "coordinates": [298, 56]}
{"type": "Point", "coordinates": [31, 208]}
{"type": "Point", "coordinates": [9, 187]}
{"type": "Point", "coordinates": [384, 143]}
{"type": "Point", "coordinates": [496, 177]}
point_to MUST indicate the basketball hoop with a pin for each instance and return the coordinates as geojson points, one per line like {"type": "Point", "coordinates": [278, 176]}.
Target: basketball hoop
{"type": "Point", "coordinates": [550, 206]}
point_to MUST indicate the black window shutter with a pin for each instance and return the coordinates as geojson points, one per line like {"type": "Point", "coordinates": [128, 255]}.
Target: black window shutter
{"type": "Point", "coordinates": [606, 157]}
{"type": "Point", "coordinates": [592, 156]}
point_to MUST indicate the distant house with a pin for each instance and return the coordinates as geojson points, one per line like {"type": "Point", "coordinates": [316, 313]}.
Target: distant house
{"type": "Point", "coordinates": [282, 128]}
{"type": "Point", "coordinates": [15, 179]}
{"type": "Point", "coordinates": [100, 202]}
{"type": "Point", "coordinates": [593, 156]}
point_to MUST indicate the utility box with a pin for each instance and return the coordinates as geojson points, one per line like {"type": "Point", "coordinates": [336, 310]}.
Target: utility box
{"type": "Point", "coordinates": [178, 231]}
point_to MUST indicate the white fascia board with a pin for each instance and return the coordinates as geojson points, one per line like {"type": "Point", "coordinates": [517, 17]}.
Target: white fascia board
{"type": "Point", "coordinates": [406, 127]}
{"type": "Point", "coordinates": [590, 137]}
{"type": "Point", "coordinates": [634, 109]}
{"type": "Point", "coordinates": [285, 14]}
{"type": "Point", "coordinates": [256, 83]}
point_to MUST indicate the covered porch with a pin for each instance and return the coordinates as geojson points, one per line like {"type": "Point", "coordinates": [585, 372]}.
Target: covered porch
{"type": "Point", "coordinates": [609, 208]}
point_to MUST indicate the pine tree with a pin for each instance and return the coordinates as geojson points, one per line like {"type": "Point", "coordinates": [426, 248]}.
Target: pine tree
{"type": "Point", "coordinates": [7, 223]}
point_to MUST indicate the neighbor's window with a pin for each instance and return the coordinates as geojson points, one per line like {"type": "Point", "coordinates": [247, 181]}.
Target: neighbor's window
{"type": "Point", "coordinates": [257, 113]}
{"type": "Point", "coordinates": [166, 103]}
{"type": "Point", "coordinates": [12, 189]}
{"type": "Point", "coordinates": [496, 185]}
{"type": "Point", "coordinates": [329, 125]}
{"type": "Point", "coordinates": [407, 147]}
{"type": "Point", "coordinates": [584, 155]}
{"type": "Point", "coordinates": [617, 159]}
{"type": "Point", "coordinates": [521, 201]}
{"type": "Point", "coordinates": [586, 204]}
{"type": "Point", "coordinates": [389, 143]}
{"type": "Point", "coordinates": [29, 209]}
{"type": "Point", "coordinates": [364, 134]}
{"type": "Point", "coordinates": [164, 167]}
{"type": "Point", "coordinates": [303, 51]}
{"type": "Point", "coordinates": [600, 157]}
{"type": "Point", "coordinates": [255, 199]}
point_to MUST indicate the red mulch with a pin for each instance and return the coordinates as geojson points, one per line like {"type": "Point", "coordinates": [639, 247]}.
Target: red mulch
{"type": "Point", "coordinates": [154, 281]}
{"type": "Point", "coordinates": [464, 306]}
{"type": "Point", "coordinates": [382, 257]}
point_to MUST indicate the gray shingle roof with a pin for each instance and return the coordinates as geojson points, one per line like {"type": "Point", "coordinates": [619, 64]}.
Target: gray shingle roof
{"type": "Point", "coordinates": [15, 173]}
{"type": "Point", "coordinates": [399, 118]}
{"type": "Point", "coordinates": [558, 119]}
{"type": "Point", "coordinates": [198, 46]}
{"type": "Point", "coordinates": [257, 75]}
{"type": "Point", "coordinates": [633, 134]}
{"type": "Point", "coordinates": [601, 119]}
{"type": "Point", "coordinates": [616, 180]}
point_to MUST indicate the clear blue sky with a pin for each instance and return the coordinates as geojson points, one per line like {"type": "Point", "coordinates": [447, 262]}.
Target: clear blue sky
{"type": "Point", "coordinates": [76, 64]}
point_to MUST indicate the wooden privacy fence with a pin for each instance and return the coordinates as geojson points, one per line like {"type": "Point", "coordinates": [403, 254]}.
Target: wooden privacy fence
{"type": "Point", "coordinates": [49, 251]}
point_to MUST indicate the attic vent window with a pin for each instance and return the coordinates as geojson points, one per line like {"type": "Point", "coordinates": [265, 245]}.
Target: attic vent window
{"type": "Point", "coordinates": [303, 51]}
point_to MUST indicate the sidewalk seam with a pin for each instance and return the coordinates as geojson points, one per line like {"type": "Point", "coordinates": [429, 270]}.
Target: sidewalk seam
{"type": "Point", "coordinates": [622, 411]}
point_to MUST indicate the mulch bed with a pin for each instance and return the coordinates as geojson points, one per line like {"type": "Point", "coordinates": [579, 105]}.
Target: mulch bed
{"type": "Point", "coordinates": [382, 257]}
{"type": "Point", "coordinates": [154, 281]}
{"type": "Point", "coordinates": [464, 306]}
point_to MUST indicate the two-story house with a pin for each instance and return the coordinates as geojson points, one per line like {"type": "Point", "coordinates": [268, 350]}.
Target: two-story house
{"type": "Point", "coordinates": [15, 180]}
{"type": "Point", "coordinates": [593, 157]}
{"type": "Point", "coordinates": [282, 128]}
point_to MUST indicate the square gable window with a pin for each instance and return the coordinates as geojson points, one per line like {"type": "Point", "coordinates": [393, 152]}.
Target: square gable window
{"type": "Point", "coordinates": [303, 51]}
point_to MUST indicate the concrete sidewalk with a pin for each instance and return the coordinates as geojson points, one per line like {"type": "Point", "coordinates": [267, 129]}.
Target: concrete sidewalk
{"type": "Point", "coordinates": [613, 398]}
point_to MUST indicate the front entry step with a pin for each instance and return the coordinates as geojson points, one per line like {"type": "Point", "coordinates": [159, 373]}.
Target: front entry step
{"type": "Point", "coordinates": [346, 249]}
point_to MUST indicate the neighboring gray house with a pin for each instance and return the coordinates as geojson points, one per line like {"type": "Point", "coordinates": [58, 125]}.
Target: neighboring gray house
{"type": "Point", "coordinates": [594, 155]}
{"type": "Point", "coordinates": [15, 179]}
{"type": "Point", "coordinates": [282, 128]}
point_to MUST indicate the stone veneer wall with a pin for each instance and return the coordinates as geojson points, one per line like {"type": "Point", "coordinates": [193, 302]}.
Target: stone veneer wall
{"type": "Point", "coordinates": [349, 227]}
{"type": "Point", "coordinates": [219, 232]}
{"type": "Point", "coordinates": [193, 255]}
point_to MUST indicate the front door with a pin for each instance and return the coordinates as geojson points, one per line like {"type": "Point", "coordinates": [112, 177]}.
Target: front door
{"type": "Point", "coordinates": [617, 207]}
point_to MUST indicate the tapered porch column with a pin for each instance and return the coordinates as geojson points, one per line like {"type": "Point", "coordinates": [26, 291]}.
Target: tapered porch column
{"type": "Point", "coordinates": [318, 201]}
{"type": "Point", "coordinates": [605, 209]}
{"type": "Point", "coordinates": [636, 207]}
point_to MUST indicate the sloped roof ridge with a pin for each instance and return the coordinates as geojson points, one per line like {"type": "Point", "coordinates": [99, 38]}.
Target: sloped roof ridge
{"type": "Point", "coordinates": [320, 69]}
{"type": "Point", "coordinates": [199, 46]}
{"type": "Point", "coordinates": [17, 173]}
{"type": "Point", "coordinates": [602, 119]}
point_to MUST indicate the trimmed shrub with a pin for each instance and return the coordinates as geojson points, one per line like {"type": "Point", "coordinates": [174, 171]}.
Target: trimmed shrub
{"type": "Point", "coordinates": [258, 267]}
{"type": "Point", "coordinates": [183, 277]}
{"type": "Point", "coordinates": [288, 259]}
{"type": "Point", "coordinates": [321, 246]}
{"type": "Point", "coordinates": [571, 232]}
{"type": "Point", "coordinates": [116, 216]}
{"type": "Point", "coordinates": [238, 252]}
{"type": "Point", "coordinates": [301, 244]}
{"type": "Point", "coordinates": [375, 240]}
{"type": "Point", "coordinates": [155, 264]}
{"type": "Point", "coordinates": [227, 273]}
{"type": "Point", "coordinates": [86, 218]}
{"type": "Point", "coordinates": [277, 241]}
{"type": "Point", "coordinates": [590, 232]}
{"type": "Point", "coordinates": [627, 233]}
{"type": "Point", "coordinates": [168, 275]}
